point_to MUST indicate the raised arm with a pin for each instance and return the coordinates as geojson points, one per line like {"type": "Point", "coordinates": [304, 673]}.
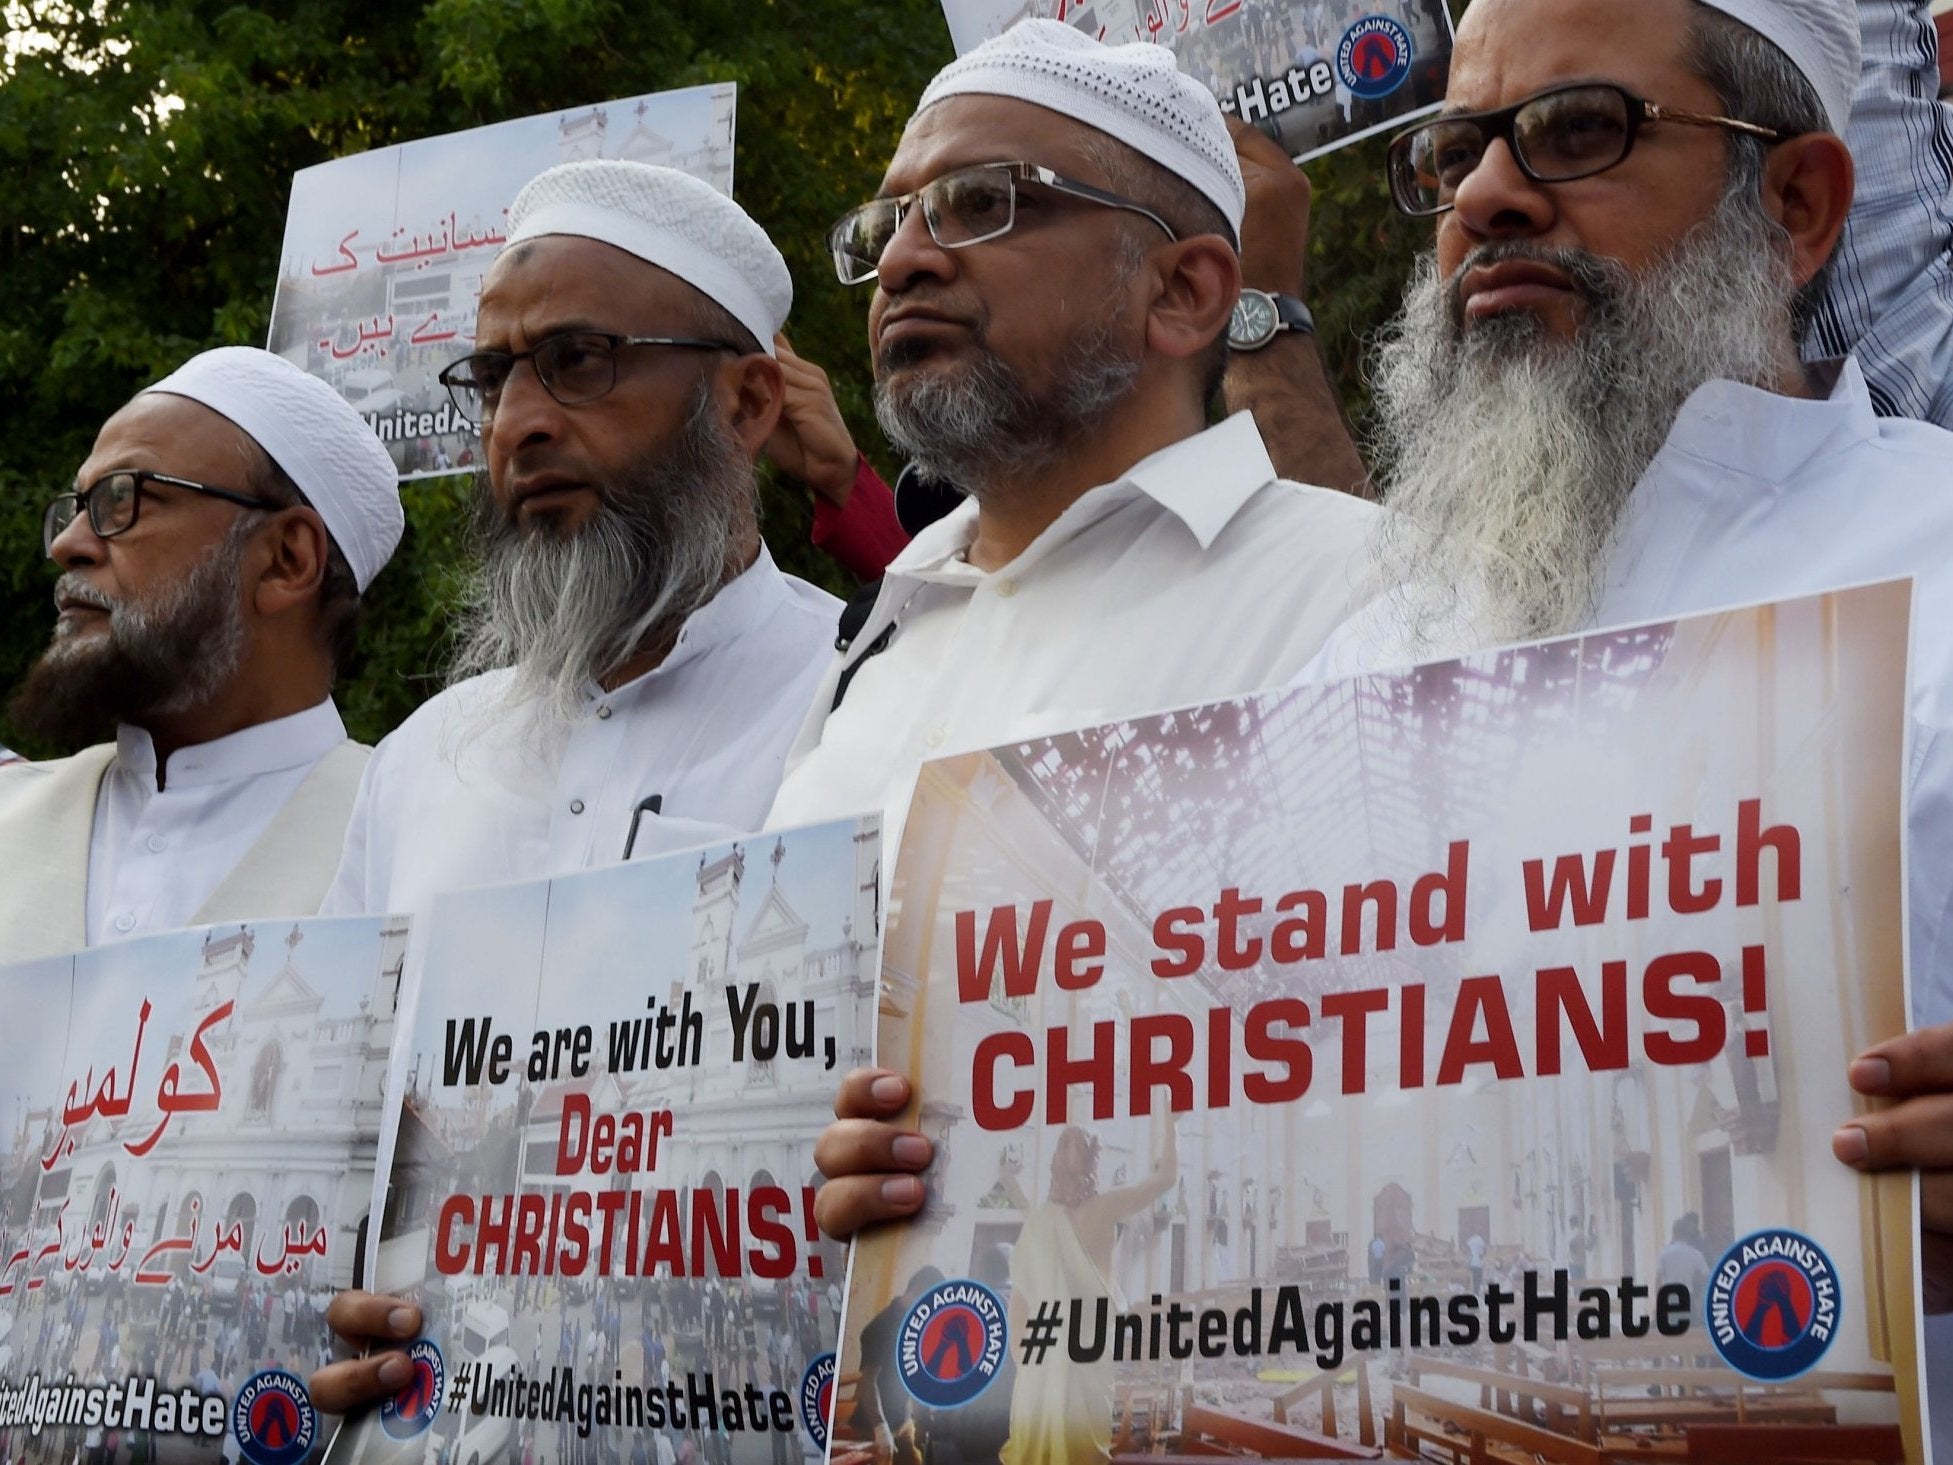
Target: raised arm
{"type": "Point", "coordinates": [1284, 384]}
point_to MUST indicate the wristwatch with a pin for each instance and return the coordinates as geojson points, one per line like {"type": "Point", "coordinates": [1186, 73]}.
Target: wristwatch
{"type": "Point", "coordinates": [1259, 317]}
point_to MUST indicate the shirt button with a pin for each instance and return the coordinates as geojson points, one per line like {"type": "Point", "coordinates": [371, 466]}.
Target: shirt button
{"type": "Point", "coordinates": [1006, 588]}
{"type": "Point", "coordinates": [603, 713]}
{"type": "Point", "coordinates": [576, 806]}
{"type": "Point", "coordinates": [125, 922]}
{"type": "Point", "coordinates": [157, 844]}
{"type": "Point", "coordinates": [935, 738]}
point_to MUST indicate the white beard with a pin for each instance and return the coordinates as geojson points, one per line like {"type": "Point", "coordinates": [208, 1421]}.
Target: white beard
{"type": "Point", "coordinates": [1507, 455]}
{"type": "Point", "coordinates": [563, 610]}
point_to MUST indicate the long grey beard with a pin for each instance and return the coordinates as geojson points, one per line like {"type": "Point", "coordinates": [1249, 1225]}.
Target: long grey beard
{"type": "Point", "coordinates": [983, 427]}
{"type": "Point", "coordinates": [565, 610]}
{"type": "Point", "coordinates": [158, 659]}
{"type": "Point", "coordinates": [1507, 455]}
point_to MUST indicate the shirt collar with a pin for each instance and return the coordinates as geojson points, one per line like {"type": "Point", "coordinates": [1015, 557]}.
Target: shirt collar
{"type": "Point", "coordinates": [740, 604]}
{"type": "Point", "coordinates": [265, 747]}
{"type": "Point", "coordinates": [1203, 481]}
{"type": "Point", "coordinates": [1764, 435]}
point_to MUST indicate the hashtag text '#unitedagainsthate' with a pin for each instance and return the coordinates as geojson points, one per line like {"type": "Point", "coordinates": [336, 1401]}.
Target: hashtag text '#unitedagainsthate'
{"type": "Point", "coordinates": [1288, 1320]}
{"type": "Point", "coordinates": [696, 1400]}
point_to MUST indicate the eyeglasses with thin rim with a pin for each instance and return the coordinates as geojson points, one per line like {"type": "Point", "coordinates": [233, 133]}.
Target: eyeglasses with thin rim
{"type": "Point", "coordinates": [969, 206]}
{"type": "Point", "coordinates": [1555, 136]}
{"type": "Point", "coordinates": [113, 501]}
{"type": "Point", "coordinates": [574, 367]}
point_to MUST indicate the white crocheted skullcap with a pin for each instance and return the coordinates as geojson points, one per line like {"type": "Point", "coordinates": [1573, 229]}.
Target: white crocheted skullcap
{"type": "Point", "coordinates": [311, 432]}
{"type": "Point", "coordinates": [669, 219]}
{"type": "Point", "coordinates": [1135, 93]}
{"type": "Point", "coordinates": [1819, 36]}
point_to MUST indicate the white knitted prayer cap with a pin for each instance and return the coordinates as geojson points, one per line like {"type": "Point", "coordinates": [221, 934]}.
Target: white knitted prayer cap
{"type": "Point", "coordinates": [669, 219]}
{"type": "Point", "coordinates": [1135, 93]}
{"type": "Point", "coordinates": [311, 432]}
{"type": "Point", "coordinates": [1819, 36]}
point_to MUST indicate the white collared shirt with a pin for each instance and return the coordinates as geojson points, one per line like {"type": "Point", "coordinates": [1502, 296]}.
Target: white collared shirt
{"type": "Point", "coordinates": [472, 790]}
{"type": "Point", "coordinates": [1197, 575]}
{"type": "Point", "coordinates": [156, 855]}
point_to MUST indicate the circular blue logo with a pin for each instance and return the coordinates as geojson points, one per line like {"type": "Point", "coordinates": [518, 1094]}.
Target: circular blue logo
{"type": "Point", "coordinates": [412, 1410]}
{"type": "Point", "coordinates": [1773, 1305]}
{"type": "Point", "coordinates": [273, 1419]}
{"type": "Point", "coordinates": [952, 1344]}
{"type": "Point", "coordinates": [1374, 57]}
{"type": "Point", "coordinates": [817, 1399]}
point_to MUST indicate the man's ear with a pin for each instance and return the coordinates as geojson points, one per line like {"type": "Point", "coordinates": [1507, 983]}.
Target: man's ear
{"type": "Point", "coordinates": [750, 392]}
{"type": "Point", "coordinates": [289, 559]}
{"type": "Point", "coordinates": [1807, 185]}
{"type": "Point", "coordinates": [1199, 279]}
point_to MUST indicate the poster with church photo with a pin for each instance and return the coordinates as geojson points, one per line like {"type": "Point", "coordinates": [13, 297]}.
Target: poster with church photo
{"type": "Point", "coordinates": [188, 1129]}
{"type": "Point", "coordinates": [385, 251]}
{"type": "Point", "coordinates": [1425, 1065]}
{"type": "Point", "coordinates": [602, 1177]}
{"type": "Point", "coordinates": [1315, 75]}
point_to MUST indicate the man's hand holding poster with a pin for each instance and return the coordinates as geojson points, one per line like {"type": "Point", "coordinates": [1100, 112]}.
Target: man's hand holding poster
{"type": "Point", "coordinates": [1443, 1054]}
{"type": "Point", "coordinates": [601, 1179]}
{"type": "Point", "coordinates": [187, 1137]}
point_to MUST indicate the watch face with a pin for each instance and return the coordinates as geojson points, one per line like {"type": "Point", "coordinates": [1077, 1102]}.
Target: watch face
{"type": "Point", "coordinates": [1253, 322]}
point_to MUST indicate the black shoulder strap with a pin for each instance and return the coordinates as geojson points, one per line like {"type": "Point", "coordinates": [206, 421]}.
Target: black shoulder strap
{"type": "Point", "coordinates": [854, 615]}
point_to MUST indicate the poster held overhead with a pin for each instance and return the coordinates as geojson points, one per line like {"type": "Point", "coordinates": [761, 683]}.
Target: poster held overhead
{"type": "Point", "coordinates": [1315, 75]}
{"type": "Point", "coordinates": [385, 251]}
{"type": "Point", "coordinates": [1310, 1071]}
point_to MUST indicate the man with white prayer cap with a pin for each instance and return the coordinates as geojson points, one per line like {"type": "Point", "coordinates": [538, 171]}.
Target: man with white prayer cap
{"type": "Point", "coordinates": [632, 663]}
{"type": "Point", "coordinates": [1594, 412]}
{"type": "Point", "coordinates": [213, 554]}
{"type": "Point", "coordinates": [1055, 255]}
{"type": "Point", "coordinates": [637, 664]}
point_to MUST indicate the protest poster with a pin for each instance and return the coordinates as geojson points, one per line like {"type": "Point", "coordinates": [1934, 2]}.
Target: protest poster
{"type": "Point", "coordinates": [1315, 75]}
{"type": "Point", "coordinates": [602, 1174]}
{"type": "Point", "coordinates": [187, 1138]}
{"type": "Point", "coordinates": [385, 251]}
{"type": "Point", "coordinates": [1445, 1059]}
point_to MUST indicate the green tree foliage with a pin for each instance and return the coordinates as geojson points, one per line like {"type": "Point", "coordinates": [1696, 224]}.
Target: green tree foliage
{"type": "Point", "coordinates": [148, 148]}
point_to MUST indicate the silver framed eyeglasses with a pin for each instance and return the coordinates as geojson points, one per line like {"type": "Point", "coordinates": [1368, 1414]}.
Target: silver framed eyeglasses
{"type": "Point", "coordinates": [968, 206]}
{"type": "Point", "coordinates": [1555, 136]}
{"type": "Point", "coordinates": [574, 367]}
{"type": "Point", "coordinates": [113, 501]}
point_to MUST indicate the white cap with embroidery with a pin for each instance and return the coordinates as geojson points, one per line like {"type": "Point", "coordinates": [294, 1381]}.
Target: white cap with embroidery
{"type": "Point", "coordinates": [311, 432]}
{"type": "Point", "coordinates": [1135, 93]}
{"type": "Point", "coordinates": [669, 219]}
{"type": "Point", "coordinates": [1819, 36]}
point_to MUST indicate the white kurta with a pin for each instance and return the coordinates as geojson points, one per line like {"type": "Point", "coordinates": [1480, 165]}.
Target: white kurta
{"type": "Point", "coordinates": [470, 790]}
{"type": "Point", "coordinates": [1756, 497]}
{"type": "Point", "coordinates": [1198, 575]}
{"type": "Point", "coordinates": [156, 855]}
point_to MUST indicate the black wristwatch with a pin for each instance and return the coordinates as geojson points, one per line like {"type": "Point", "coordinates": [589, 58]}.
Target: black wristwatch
{"type": "Point", "coordinates": [1260, 317]}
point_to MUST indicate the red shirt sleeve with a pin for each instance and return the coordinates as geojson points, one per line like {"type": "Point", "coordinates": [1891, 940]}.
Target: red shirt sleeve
{"type": "Point", "coordinates": [864, 535]}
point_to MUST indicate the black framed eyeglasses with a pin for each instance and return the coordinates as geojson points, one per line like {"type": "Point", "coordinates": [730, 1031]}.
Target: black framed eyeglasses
{"type": "Point", "coordinates": [1555, 136]}
{"type": "Point", "coordinates": [574, 367]}
{"type": "Point", "coordinates": [113, 501]}
{"type": "Point", "coordinates": [968, 206]}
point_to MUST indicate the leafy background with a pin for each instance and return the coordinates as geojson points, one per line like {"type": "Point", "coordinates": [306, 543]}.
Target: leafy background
{"type": "Point", "coordinates": [147, 148]}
